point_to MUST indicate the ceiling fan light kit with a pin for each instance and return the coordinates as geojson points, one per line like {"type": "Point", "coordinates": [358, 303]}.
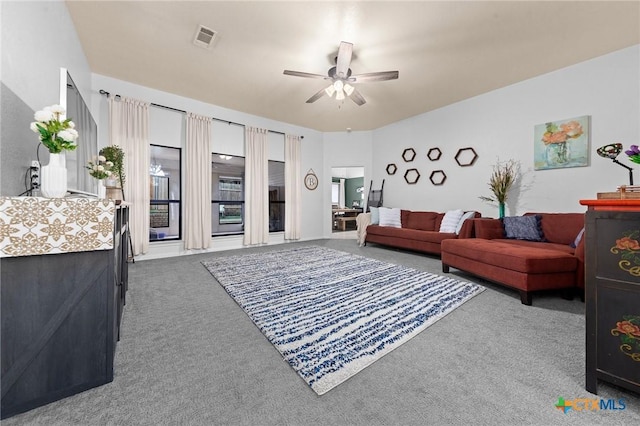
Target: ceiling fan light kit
{"type": "Point", "coordinates": [348, 89]}
{"type": "Point", "coordinates": [330, 91]}
{"type": "Point", "coordinates": [342, 79]}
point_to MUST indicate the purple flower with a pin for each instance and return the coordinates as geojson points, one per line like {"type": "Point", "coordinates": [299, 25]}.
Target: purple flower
{"type": "Point", "coordinates": [634, 153]}
{"type": "Point", "coordinates": [633, 150]}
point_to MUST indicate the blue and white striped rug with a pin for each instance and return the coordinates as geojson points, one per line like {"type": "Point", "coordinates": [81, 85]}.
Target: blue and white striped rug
{"type": "Point", "coordinates": [331, 313]}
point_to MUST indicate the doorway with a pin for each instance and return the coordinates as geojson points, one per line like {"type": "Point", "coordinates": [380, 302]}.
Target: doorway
{"type": "Point", "coordinates": [347, 199]}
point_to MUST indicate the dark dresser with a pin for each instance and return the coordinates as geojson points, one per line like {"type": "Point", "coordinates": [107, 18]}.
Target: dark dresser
{"type": "Point", "coordinates": [63, 272]}
{"type": "Point", "coordinates": [612, 293]}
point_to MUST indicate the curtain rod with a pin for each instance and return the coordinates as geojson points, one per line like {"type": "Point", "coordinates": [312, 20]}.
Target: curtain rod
{"type": "Point", "coordinates": [104, 92]}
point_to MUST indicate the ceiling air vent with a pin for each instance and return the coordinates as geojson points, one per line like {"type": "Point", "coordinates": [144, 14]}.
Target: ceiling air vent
{"type": "Point", "coordinates": [204, 37]}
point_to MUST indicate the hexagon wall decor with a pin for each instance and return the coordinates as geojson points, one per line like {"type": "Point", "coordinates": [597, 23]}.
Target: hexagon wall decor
{"type": "Point", "coordinates": [437, 177]}
{"type": "Point", "coordinates": [466, 157]}
{"type": "Point", "coordinates": [411, 176]}
{"type": "Point", "coordinates": [391, 169]}
{"type": "Point", "coordinates": [408, 155]}
{"type": "Point", "coordinates": [434, 154]}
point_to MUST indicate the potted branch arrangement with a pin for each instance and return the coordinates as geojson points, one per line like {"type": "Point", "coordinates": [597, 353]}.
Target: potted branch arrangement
{"type": "Point", "coordinates": [502, 178]}
{"type": "Point", "coordinates": [115, 155]}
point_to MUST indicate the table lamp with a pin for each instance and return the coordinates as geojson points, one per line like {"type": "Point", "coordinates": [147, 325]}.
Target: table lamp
{"type": "Point", "coordinates": [612, 151]}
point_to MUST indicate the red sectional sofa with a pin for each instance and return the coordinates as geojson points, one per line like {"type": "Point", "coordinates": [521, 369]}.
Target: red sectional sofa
{"type": "Point", "coordinates": [419, 232]}
{"type": "Point", "coordinates": [527, 266]}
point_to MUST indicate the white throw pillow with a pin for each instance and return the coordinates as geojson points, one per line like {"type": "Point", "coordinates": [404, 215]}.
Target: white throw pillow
{"type": "Point", "coordinates": [467, 215]}
{"type": "Point", "coordinates": [450, 221]}
{"type": "Point", "coordinates": [375, 216]}
{"type": "Point", "coordinates": [390, 217]}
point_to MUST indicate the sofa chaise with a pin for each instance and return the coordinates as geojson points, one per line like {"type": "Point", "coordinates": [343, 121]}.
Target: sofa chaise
{"type": "Point", "coordinates": [555, 261]}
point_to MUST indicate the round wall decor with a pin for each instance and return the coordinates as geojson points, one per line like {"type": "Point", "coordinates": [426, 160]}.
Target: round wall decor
{"type": "Point", "coordinates": [311, 180]}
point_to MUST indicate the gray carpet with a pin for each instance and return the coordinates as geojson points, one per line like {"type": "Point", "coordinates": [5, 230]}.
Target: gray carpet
{"type": "Point", "coordinates": [189, 355]}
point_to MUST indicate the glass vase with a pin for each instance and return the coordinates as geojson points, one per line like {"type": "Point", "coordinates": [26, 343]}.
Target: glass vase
{"type": "Point", "coordinates": [501, 210]}
{"type": "Point", "coordinates": [558, 154]}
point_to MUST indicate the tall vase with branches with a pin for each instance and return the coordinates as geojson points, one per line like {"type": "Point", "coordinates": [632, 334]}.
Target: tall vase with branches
{"type": "Point", "coordinates": [502, 178]}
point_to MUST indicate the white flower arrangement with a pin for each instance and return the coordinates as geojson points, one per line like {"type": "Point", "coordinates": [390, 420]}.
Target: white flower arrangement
{"type": "Point", "coordinates": [99, 167]}
{"type": "Point", "coordinates": [56, 135]}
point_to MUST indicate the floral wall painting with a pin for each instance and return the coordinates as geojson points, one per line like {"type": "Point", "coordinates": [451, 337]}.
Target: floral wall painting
{"type": "Point", "coordinates": [562, 143]}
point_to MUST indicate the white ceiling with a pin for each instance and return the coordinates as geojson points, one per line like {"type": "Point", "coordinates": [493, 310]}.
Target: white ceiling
{"type": "Point", "coordinates": [445, 51]}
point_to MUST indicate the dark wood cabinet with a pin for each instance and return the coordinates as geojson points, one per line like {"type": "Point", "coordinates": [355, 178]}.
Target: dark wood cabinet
{"type": "Point", "coordinates": [612, 293]}
{"type": "Point", "coordinates": [60, 320]}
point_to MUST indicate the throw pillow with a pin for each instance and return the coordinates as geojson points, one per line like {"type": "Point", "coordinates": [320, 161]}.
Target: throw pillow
{"type": "Point", "coordinates": [450, 221]}
{"type": "Point", "coordinates": [424, 221]}
{"type": "Point", "coordinates": [390, 217]}
{"type": "Point", "coordinates": [467, 215]}
{"type": "Point", "coordinates": [575, 242]}
{"type": "Point", "coordinates": [523, 228]}
{"type": "Point", "coordinates": [375, 215]}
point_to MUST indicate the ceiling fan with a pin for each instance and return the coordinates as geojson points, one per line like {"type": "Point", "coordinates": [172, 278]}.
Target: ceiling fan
{"type": "Point", "coordinates": [341, 79]}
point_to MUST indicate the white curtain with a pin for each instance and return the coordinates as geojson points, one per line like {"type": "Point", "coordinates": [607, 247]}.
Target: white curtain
{"type": "Point", "coordinates": [129, 129]}
{"type": "Point", "coordinates": [293, 188]}
{"type": "Point", "coordinates": [342, 194]}
{"type": "Point", "coordinates": [198, 182]}
{"type": "Point", "coordinates": [256, 226]}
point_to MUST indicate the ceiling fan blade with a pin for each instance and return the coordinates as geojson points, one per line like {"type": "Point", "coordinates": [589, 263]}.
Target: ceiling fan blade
{"type": "Point", "coordinates": [344, 59]}
{"type": "Point", "coordinates": [374, 76]}
{"type": "Point", "coordinates": [317, 96]}
{"type": "Point", "coordinates": [357, 97]}
{"type": "Point", "coordinates": [304, 74]}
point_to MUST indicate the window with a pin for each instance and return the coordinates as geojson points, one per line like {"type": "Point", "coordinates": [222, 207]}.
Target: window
{"type": "Point", "coordinates": [227, 198]}
{"type": "Point", "coordinates": [164, 193]}
{"type": "Point", "coordinates": [227, 195]}
{"type": "Point", "coordinates": [276, 196]}
{"type": "Point", "coordinates": [230, 189]}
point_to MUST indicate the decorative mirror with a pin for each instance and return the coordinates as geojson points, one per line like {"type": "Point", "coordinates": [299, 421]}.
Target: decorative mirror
{"type": "Point", "coordinates": [391, 169]}
{"type": "Point", "coordinates": [437, 177]}
{"type": "Point", "coordinates": [411, 176]}
{"type": "Point", "coordinates": [434, 154]}
{"type": "Point", "coordinates": [466, 157]}
{"type": "Point", "coordinates": [408, 155]}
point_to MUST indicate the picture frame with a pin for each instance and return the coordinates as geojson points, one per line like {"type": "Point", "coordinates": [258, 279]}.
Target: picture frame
{"type": "Point", "coordinates": [562, 143]}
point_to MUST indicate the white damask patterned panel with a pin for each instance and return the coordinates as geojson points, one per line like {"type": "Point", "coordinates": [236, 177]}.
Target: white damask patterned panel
{"type": "Point", "coordinates": [34, 225]}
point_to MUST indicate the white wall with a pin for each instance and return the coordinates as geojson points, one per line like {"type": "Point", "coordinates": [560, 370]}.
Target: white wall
{"type": "Point", "coordinates": [167, 128]}
{"type": "Point", "coordinates": [38, 38]}
{"type": "Point", "coordinates": [500, 125]}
